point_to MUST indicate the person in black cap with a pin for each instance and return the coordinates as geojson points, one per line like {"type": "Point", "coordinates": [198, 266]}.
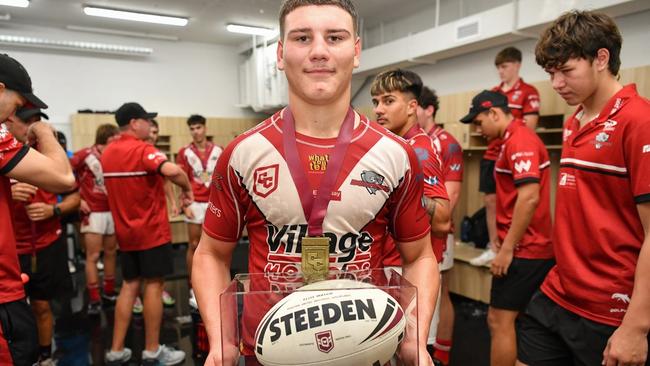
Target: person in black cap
{"type": "Point", "coordinates": [523, 214]}
{"type": "Point", "coordinates": [40, 242]}
{"type": "Point", "coordinates": [134, 173]}
{"type": "Point", "coordinates": [49, 170]}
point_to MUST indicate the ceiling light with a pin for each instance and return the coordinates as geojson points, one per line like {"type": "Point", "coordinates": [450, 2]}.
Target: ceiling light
{"type": "Point", "coordinates": [75, 46]}
{"type": "Point", "coordinates": [252, 30]}
{"type": "Point", "coordinates": [138, 17]}
{"type": "Point", "coordinates": [16, 3]}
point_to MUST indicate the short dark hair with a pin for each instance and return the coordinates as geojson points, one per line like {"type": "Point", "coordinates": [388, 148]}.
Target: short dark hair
{"type": "Point", "coordinates": [196, 119]}
{"type": "Point", "coordinates": [428, 98]}
{"type": "Point", "coordinates": [579, 34]}
{"type": "Point", "coordinates": [404, 81]}
{"type": "Point", "coordinates": [104, 132]}
{"type": "Point", "coordinates": [290, 5]}
{"type": "Point", "coordinates": [155, 123]}
{"type": "Point", "coordinates": [508, 54]}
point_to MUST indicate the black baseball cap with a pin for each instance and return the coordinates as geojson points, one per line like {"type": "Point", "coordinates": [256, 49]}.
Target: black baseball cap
{"type": "Point", "coordinates": [26, 113]}
{"type": "Point", "coordinates": [482, 102]}
{"type": "Point", "coordinates": [16, 78]}
{"type": "Point", "coordinates": [129, 111]}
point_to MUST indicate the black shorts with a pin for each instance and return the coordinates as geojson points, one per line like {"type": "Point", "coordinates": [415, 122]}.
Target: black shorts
{"type": "Point", "coordinates": [548, 334]}
{"type": "Point", "coordinates": [486, 183]}
{"type": "Point", "coordinates": [150, 263]}
{"type": "Point", "coordinates": [19, 330]}
{"type": "Point", "coordinates": [514, 290]}
{"type": "Point", "coordinates": [52, 277]}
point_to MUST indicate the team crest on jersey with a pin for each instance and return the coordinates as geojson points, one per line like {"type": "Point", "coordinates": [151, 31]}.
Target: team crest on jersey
{"type": "Point", "coordinates": [601, 139]}
{"type": "Point", "coordinates": [372, 181]}
{"type": "Point", "coordinates": [266, 180]}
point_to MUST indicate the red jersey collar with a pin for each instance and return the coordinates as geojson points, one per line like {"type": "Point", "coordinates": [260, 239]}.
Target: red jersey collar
{"type": "Point", "coordinates": [512, 126]}
{"type": "Point", "coordinates": [514, 87]}
{"type": "Point", "coordinates": [128, 136]}
{"type": "Point", "coordinates": [614, 104]}
{"type": "Point", "coordinates": [413, 131]}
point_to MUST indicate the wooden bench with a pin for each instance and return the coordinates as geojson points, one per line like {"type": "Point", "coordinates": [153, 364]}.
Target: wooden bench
{"type": "Point", "coordinates": [467, 280]}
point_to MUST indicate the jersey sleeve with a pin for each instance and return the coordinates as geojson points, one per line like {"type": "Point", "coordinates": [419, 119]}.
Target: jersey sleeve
{"type": "Point", "coordinates": [637, 156]}
{"type": "Point", "coordinates": [431, 164]}
{"type": "Point", "coordinates": [11, 151]}
{"type": "Point", "coordinates": [152, 159]}
{"type": "Point", "coordinates": [452, 160]}
{"type": "Point", "coordinates": [523, 159]}
{"type": "Point", "coordinates": [409, 220]}
{"type": "Point", "coordinates": [224, 219]}
{"type": "Point", "coordinates": [531, 102]}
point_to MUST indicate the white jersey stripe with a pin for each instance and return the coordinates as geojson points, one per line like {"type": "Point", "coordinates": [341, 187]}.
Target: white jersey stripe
{"type": "Point", "coordinates": [590, 164]}
{"type": "Point", "coordinates": [125, 174]}
{"type": "Point", "coordinates": [545, 164]}
{"type": "Point", "coordinates": [498, 170]}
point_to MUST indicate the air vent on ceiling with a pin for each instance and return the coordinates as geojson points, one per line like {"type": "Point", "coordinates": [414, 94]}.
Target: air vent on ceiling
{"type": "Point", "coordinates": [467, 30]}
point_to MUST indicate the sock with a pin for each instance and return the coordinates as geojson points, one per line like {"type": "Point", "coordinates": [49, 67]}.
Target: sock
{"type": "Point", "coordinates": [93, 292]}
{"type": "Point", "coordinates": [44, 352]}
{"type": "Point", "coordinates": [109, 285]}
{"type": "Point", "coordinates": [442, 348]}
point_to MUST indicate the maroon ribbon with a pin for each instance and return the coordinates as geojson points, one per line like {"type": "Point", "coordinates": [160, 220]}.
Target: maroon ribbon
{"type": "Point", "coordinates": [315, 208]}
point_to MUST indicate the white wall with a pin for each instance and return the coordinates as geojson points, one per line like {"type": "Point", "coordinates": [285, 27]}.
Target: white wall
{"type": "Point", "coordinates": [476, 70]}
{"type": "Point", "coordinates": [178, 79]}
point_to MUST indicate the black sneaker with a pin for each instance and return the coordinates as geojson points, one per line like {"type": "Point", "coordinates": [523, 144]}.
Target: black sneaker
{"type": "Point", "coordinates": [94, 308]}
{"type": "Point", "coordinates": [109, 298]}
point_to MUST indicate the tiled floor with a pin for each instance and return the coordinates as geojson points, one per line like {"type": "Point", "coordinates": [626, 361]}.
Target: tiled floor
{"type": "Point", "coordinates": [82, 340]}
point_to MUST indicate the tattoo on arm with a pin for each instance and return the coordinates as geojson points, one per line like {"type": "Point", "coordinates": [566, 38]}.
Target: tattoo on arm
{"type": "Point", "coordinates": [430, 205]}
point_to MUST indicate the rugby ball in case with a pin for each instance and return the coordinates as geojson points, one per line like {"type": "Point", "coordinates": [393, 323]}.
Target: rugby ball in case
{"type": "Point", "coordinates": [334, 323]}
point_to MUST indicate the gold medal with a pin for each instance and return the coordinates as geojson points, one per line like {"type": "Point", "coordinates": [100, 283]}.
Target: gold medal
{"type": "Point", "coordinates": [205, 177]}
{"type": "Point", "coordinates": [315, 258]}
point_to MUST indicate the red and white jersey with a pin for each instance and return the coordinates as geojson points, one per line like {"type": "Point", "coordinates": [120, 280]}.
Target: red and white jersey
{"type": "Point", "coordinates": [524, 159]}
{"type": "Point", "coordinates": [11, 286]}
{"type": "Point", "coordinates": [378, 192]}
{"type": "Point", "coordinates": [604, 174]}
{"type": "Point", "coordinates": [427, 148]}
{"type": "Point", "coordinates": [136, 194]}
{"type": "Point", "coordinates": [451, 154]}
{"type": "Point", "coordinates": [32, 236]}
{"type": "Point", "coordinates": [90, 177]}
{"type": "Point", "coordinates": [523, 99]}
{"type": "Point", "coordinates": [199, 165]}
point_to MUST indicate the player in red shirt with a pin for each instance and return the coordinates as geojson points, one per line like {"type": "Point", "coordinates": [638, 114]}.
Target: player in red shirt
{"type": "Point", "coordinates": [198, 160]}
{"type": "Point", "coordinates": [523, 101]}
{"type": "Point", "coordinates": [524, 250]}
{"type": "Point", "coordinates": [452, 165]}
{"type": "Point", "coordinates": [134, 174]}
{"type": "Point", "coordinates": [97, 224]}
{"type": "Point", "coordinates": [49, 170]}
{"type": "Point", "coordinates": [594, 306]}
{"type": "Point", "coordinates": [40, 245]}
{"type": "Point", "coordinates": [253, 184]}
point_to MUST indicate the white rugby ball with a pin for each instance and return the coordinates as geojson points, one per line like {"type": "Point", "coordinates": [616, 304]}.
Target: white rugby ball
{"type": "Point", "coordinates": [335, 323]}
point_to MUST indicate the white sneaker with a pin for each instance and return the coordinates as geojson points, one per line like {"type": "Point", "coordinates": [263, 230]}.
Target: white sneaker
{"type": "Point", "coordinates": [486, 257]}
{"type": "Point", "coordinates": [193, 303]}
{"type": "Point", "coordinates": [100, 265]}
{"type": "Point", "coordinates": [117, 357]}
{"type": "Point", "coordinates": [164, 356]}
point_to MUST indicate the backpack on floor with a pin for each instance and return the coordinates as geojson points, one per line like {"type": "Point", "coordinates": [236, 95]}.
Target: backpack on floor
{"type": "Point", "coordinates": [474, 229]}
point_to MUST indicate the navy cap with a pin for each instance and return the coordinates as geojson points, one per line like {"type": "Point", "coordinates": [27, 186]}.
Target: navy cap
{"type": "Point", "coordinates": [16, 78]}
{"type": "Point", "coordinates": [482, 102]}
{"type": "Point", "coordinates": [129, 111]}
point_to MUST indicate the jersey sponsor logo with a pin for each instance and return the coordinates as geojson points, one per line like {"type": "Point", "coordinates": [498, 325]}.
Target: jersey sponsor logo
{"type": "Point", "coordinates": [521, 154]}
{"type": "Point", "coordinates": [318, 162]}
{"type": "Point", "coordinates": [455, 167]}
{"type": "Point", "coordinates": [432, 181]}
{"type": "Point", "coordinates": [534, 104]}
{"type": "Point", "coordinates": [215, 210]}
{"type": "Point", "coordinates": [522, 166]}
{"type": "Point", "coordinates": [423, 154]}
{"type": "Point", "coordinates": [372, 181]}
{"type": "Point", "coordinates": [266, 180]}
{"type": "Point", "coordinates": [566, 134]}
{"type": "Point", "coordinates": [620, 299]}
{"type": "Point", "coordinates": [158, 154]}
{"type": "Point", "coordinates": [216, 181]}
{"type": "Point", "coordinates": [325, 341]}
{"type": "Point", "coordinates": [567, 180]}
{"type": "Point", "coordinates": [350, 251]}
{"type": "Point", "coordinates": [646, 149]}
{"type": "Point", "coordinates": [610, 125]}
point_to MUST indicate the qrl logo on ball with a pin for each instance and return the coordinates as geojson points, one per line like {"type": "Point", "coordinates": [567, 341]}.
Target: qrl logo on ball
{"type": "Point", "coordinates": [325, 341]}
{"type": "Point", "coordinates": [266, 180]}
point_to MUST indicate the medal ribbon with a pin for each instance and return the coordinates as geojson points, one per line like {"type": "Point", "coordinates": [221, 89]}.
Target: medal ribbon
{"type": "Point", "coordinates": [315, 208]}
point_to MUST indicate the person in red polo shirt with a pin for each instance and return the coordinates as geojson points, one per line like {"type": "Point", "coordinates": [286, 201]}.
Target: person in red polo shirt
{"type": "Point", "coordinates": [525, 253]}
{"type": "Point", "coordinates": [40, 244]}
{"type": "Point", "coordinates": [48, 169]}
{"type": "Point", "coordinates": [594, 306]}
{"type": "Point", "coordinates": [97, 225]}
{"type": "Point", "coordinates": [452, 172]}
{"type": "Point", "coordinates": [395, 96]}
{"type": "Point", "coordinates": [523, 101]}
{"type": "Point", "coordinates": [198, 160]}
{"type": "Point", "coordinates": [134, 173]}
